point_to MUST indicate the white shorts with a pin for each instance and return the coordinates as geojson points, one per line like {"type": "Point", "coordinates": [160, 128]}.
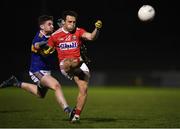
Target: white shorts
{"type": "Point", "coordinates": [83, 67]}
{"type": "Point", "coordinates": [36, 77]}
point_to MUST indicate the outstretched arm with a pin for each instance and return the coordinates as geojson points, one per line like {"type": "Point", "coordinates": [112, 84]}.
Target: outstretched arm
{"type": "Point", "coordinates": [38, 45]}
{"type": "Point", "coordinates": [92, 36]}
{"type": "Point", "coordinates": [43, 47]}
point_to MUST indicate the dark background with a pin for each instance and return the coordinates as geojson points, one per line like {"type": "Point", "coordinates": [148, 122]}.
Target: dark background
{"type": "Point", "coordinates": [125, 43]}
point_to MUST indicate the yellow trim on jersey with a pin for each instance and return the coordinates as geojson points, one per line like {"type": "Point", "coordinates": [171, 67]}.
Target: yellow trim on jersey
{"type": "Point", "coordinates": [33, 49]}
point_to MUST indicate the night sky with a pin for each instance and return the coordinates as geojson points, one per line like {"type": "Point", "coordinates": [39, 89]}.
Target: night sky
{"type": "Point", "coordinates": [124, 43]}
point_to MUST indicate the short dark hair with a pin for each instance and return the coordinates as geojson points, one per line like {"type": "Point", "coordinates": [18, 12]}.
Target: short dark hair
{"type": "Point", "coordinates": [43, 18]}
{"type": "Point", "coordinates": [70, 13]}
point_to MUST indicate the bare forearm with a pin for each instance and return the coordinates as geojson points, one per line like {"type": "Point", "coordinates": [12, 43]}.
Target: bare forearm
{"type": "Point", "coordinates": [95, 34]}
{"type": "Point", "coordinates": [39, 44]}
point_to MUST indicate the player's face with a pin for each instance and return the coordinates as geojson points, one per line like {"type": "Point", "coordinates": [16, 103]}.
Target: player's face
{"type": "Point", "coordinates": [70, 23]}
{"type": "Point", "coordinates": [48, 26]}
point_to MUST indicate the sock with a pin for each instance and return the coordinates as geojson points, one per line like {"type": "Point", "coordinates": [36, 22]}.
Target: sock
{"type": "Point", "coordinates": [67, 109]}
{"type": "Point", "coordinates": [78, 112]}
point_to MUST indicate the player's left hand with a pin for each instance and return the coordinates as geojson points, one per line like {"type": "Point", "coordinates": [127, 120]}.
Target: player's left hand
{"type": "Point", "coordinates": [48, 51]}
{"type": "Point", "coordinates": [98, 24]}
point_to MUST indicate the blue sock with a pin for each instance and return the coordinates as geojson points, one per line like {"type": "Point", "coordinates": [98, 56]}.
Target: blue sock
{"type": "Point", "coordinates": [67, 109]}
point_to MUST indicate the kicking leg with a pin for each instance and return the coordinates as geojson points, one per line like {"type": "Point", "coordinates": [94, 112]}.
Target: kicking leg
{"type": "Point", "coordinates": [81, 78]}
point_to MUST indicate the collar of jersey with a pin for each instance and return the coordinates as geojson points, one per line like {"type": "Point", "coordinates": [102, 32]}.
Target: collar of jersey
{"type": "Point", "coordinates": [64, 30]}
{"type": "Point", "coordinates": [47, 36]}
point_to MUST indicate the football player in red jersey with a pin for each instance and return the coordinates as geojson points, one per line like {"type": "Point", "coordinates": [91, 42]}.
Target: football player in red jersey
{"type": "Point", "coordinates": [67, 40]}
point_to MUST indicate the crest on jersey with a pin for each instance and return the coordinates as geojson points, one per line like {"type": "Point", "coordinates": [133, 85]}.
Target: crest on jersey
{"type": "Point", "coordinates": [61, 39]}
{"type": "Point", "coordinates": [74, 37]}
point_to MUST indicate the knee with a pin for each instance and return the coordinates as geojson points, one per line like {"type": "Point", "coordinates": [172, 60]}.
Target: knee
{"type": "Point", "coordinates": [83, 89]}
{"type": "Point", "coordinates": [56, 86]}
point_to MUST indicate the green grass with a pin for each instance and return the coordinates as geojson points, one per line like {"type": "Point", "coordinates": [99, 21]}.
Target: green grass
{"type": "Point", "coordinates": [106, 107]}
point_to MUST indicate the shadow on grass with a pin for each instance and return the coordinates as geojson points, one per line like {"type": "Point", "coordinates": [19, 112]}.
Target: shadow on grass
{"type": "Point", "coordinates": [95, 119]}
{"type": "Point", "coordinates": [99, 119]}
{"type": "Point", "coordinates": [15, 111]}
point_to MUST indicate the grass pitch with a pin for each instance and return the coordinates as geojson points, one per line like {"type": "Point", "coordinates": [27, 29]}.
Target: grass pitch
{"type": "Point", "coordinates": [106, 107]}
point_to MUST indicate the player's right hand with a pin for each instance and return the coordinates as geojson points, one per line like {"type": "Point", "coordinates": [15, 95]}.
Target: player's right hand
{"type": "Point", "coordinates": [37, 46]}
{"type": "Point", "coordinates": [98, 24]}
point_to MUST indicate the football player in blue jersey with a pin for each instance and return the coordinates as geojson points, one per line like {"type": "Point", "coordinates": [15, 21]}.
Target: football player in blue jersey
{"type": "Point", "coordinates": [40, 69]}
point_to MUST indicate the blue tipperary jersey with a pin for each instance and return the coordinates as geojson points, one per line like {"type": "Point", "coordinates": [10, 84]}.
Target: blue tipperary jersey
{"type": "Point", "coordinates": [38, 61]}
